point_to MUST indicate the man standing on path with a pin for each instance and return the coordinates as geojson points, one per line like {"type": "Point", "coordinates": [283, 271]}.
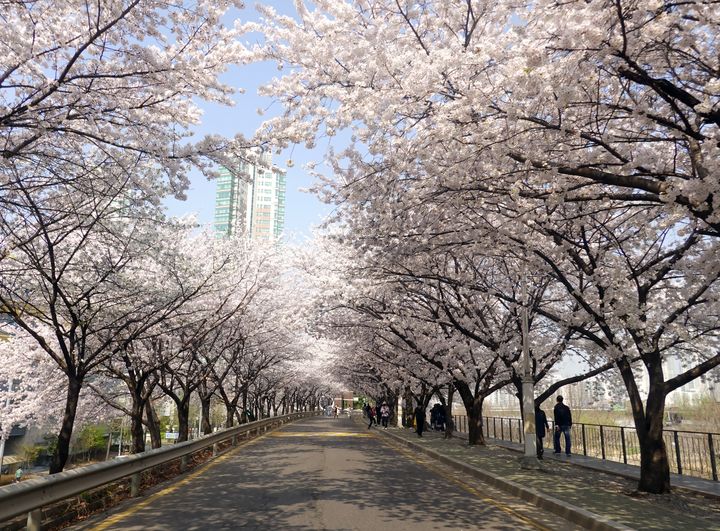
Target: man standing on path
{"type": "Point", "coordinates": [563, 422]}
{"type": "Point", "coordinates": [541, 425]}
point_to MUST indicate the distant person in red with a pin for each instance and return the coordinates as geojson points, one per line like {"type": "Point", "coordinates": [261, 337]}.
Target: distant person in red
{"type": "Point", "coordinates": [335, 411]}
{"type": "Point", "coordinates": [370, 414]}
{"type": "Point", "coordinates": [563, 423]}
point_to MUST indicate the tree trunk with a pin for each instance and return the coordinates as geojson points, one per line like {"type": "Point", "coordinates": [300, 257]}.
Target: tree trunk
{"type": "Point", "coordinates": [475, 422]}
{"type": "Point", "coordinates": [183, 413]}
{"type": "Point", "coordinates": [243, 415]}
{"type": "Point", "coordinates": [137, 434]}
{"type": "Point", "coordinates": [473, 408]}
{"type": "Point", "coordinates": [407, 411]}
{"type": "Point", "coordinates": [230, 409]}
{"type": "Point", "coordinates": [654, 464]}
{"type": "Point", "coordinates": [449, 422]}
{"type": "Point", "coordinates": [205, 407]}
{"type": "Point", "coordinates": [153, 425]}
{"type": "Point", "coordinates": [62, 451]}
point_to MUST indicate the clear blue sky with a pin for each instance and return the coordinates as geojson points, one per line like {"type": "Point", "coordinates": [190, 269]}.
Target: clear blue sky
{"type": "Point", "coordinates": [303, 210]}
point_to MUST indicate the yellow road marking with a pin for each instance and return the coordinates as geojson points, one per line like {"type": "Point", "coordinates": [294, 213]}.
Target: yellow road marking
{"type": "Point", "coordinates": [147, 501]}
{"type": "Point", "coordinates": [442, 473]}
{"type": "Point", "coordinates": [322, 434]}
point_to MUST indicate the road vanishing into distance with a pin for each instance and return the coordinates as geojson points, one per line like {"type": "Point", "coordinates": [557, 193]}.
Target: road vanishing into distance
{"type": "Point", "coordinates": [324, 473]}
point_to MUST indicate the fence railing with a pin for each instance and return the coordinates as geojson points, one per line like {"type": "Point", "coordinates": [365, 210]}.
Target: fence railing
{"type": "Point", "coordinates": [31, 495]}
{"type": "Point", "coordinates": [690, 453]}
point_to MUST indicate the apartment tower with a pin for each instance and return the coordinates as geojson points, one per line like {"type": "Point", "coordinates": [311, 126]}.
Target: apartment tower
{"type": "Point", "coordinates": [252, 203]}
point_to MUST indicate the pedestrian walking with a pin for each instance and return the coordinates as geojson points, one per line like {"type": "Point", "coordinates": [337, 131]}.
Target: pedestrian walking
{"type": "Point", "coordinates": [385, 414]}
{"type": "Point", "coordinates": [563, 423]}
{"type": "Point", "coordinates": [370, 413]}
{"type": "Point", "coordinates": [419, 420]}
{"type": "Point", "coordinates": [335, 411]}
{"type": "Point", "coordinates": [541, 427]}
{"type": "Point", "coordinates": [441, 418]}
{"type": "Point", "coordinates": [18, 475]}
{"type": "Point", "coordinates": [378, 415]}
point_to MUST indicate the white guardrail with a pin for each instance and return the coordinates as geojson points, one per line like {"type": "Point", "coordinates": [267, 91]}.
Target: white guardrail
{"type": "Point", "coordinates": [31, 495]}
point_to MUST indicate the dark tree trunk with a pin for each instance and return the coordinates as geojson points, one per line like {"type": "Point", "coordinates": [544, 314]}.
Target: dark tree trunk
{"type": "Point", "coordinates": [137, 433]}
{"type": "Point", "coordinates": [62, 451]}
{"type": "Point", "coordinates": [243, 415]}
{"type": "Point", "coordinates": [230, 409]}
{"type": "Point", "coordinates": [654, 464]}
{"type": "Point", "coordinates": [407, 412]}
{"type": "Point", "coordinates": [475, 422]}
{"type": "Point", "coordinates": [153, 425]}
{"type": "Point", "coordinates": [205, 407]}
{"type": "Point", "coordinates": [473, 408]}
{"type": "Point", "coordinates": [183, 413]}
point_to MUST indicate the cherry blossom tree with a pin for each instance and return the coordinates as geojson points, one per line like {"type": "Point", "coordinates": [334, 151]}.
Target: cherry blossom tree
{"type": "Point", "coordinates": [122, 79]}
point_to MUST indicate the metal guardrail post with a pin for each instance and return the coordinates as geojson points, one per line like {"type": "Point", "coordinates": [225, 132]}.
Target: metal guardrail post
{"type": "Point", "coordinates": [215, 450]}
{"type": "Point", "coordinates": [487, 426]}
{"type": "Point", "coordinates": [602, 442]}
{"type": "Point", "coordinates": [624, 450]}
{"type": "Point", "coordinates": [494, 429]}
{"type": "Point", "coordinates": [713, 460]}
{"type": "Point", "coordinates": [134, 485]}
{"type": "Point", "coordinates": [582, 429]}
{"type": "Point", "coordinates": [521, 431]}
{"type": "Point", "coordinates": [677, 451]}
{"type": "Point", "coordinates": [34, 520]}
{"type": "Point", "coordinates": [510, 429]}
{"type": "Point", "coordinates": [502, 429]}
{"type": "Point", "coordinates": [183, 463]}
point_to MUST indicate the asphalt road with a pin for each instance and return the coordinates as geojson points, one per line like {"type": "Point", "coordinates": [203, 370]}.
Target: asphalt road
{"type": "Point", "coordinates": [325, 473]}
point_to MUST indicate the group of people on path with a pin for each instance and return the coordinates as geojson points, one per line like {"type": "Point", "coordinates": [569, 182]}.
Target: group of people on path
{"type": "Point", "coordinates": [377, 414]}
{"type": "Point", "coordinates": [380, 414]}
{"type": "Point", "coordinates": [563, 422]}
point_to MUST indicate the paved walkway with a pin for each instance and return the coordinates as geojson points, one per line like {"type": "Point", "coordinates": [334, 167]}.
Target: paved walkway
{"type": "Point", "coordinates": [610, 498]}
{"type": "Point", "coordinates": [325, 474]}
{"type": "Point", "coordinates": [699, 485]}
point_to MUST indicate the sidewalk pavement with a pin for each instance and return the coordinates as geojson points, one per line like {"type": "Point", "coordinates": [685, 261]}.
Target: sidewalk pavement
{"type": "Point", "coordinates": [591, 497]}
{"type": "Point", "coordinates": [702, 486]}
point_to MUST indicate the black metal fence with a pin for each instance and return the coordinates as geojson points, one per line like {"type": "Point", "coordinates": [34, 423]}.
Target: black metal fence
{"type": "Point", "coordinates": [691, 453]}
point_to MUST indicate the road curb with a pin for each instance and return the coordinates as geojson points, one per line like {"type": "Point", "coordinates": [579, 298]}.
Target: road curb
{"type": "Point", "coordinates": [576, 515]}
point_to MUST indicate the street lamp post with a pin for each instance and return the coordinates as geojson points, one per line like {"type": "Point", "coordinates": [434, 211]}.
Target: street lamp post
{"type": "Point", "coordinates": [529, 460]}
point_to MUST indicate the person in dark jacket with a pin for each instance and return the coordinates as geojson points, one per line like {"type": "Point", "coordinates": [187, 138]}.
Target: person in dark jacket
{"type": "Point", "coordinates": [563, 423]}
{"type": "Point", "coordinates": [541, 425]}
{"type": "Point", "coordinates": [370, 414]}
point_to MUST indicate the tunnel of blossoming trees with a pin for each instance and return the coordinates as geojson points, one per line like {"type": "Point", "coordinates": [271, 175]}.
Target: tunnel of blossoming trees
{"type": "Point", "coordinates": [501, 174]}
